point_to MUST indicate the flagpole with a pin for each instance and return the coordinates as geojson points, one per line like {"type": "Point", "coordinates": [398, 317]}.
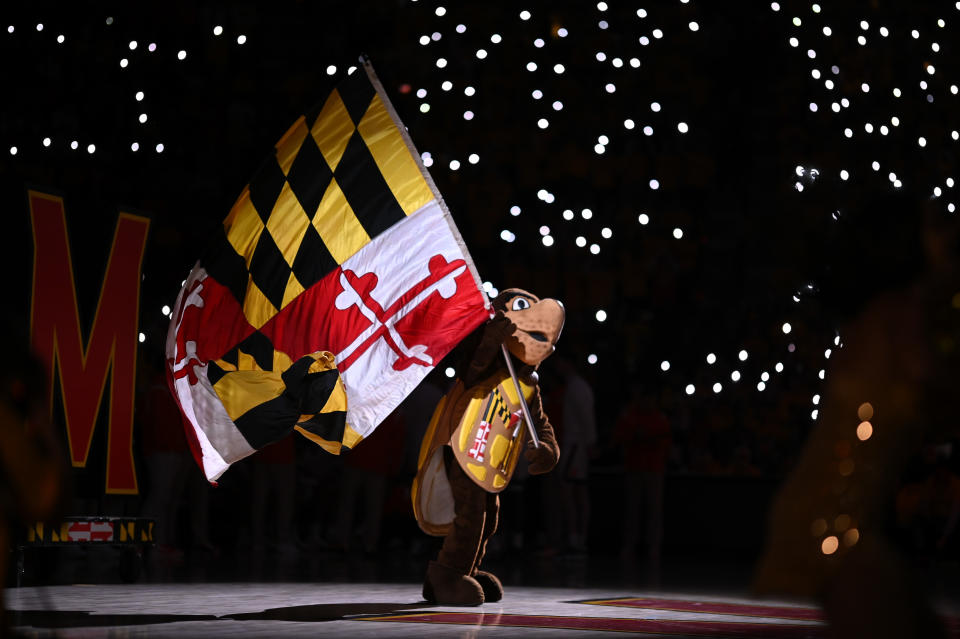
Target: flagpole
{"type": "Point", "coordinates": [523, 402]}
{"type": "Point", "coordinates": [375, 81]}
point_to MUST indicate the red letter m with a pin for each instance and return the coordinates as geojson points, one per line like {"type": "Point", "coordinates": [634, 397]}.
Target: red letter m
{"type": "Point", "coordinates": [55, 328]}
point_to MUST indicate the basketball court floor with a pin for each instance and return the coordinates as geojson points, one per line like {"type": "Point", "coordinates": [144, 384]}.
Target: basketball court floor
{"type": "Point", "coordinates": [239, 610]}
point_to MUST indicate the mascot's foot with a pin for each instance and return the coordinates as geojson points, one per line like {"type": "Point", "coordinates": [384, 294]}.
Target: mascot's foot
{"type": "Point", "coordinates": [449, 587]}
{"type": "Point", "coordinates": [492, 588]}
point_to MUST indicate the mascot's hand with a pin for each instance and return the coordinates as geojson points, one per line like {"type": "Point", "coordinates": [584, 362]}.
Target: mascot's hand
{"type": "Point", "coordinates": [498, 329]}
{"type": "Point", "coordinates": [542, 459]}
{"type": "Point", "coordinates": [495, 332]}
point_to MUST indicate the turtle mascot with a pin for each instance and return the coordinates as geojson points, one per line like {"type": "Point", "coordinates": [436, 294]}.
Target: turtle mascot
{"type": "Point", "coordinates": [474, 441]}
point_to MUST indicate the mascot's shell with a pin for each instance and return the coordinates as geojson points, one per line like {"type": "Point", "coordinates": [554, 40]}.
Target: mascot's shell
{"type": "Point", "coordinates": [484, 427]}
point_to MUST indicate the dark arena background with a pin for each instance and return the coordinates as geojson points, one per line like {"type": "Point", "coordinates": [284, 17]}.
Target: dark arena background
{"type": "Point", "coordinates": [729, 199]}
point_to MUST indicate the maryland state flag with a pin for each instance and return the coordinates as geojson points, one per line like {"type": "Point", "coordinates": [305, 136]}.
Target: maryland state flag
{"type": "Point", "coordinates": [337, 282]}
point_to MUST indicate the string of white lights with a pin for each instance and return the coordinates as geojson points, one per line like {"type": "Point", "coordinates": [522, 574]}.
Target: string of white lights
{"type": "Point", "coordinates": [917, 130]}
{"type": "Point", "coordinates": [125, 63]}
{"type": "Point", "coordinates": [540, 72]}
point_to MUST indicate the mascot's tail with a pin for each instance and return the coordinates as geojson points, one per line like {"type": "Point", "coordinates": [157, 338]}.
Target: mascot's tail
{"type": "Point", "coordinates": [431, 492]}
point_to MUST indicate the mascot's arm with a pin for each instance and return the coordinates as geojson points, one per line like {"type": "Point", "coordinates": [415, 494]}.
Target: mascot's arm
{"type": "Point", "coordinates": [542, 459]}
{"type": "Point", "coordinates": [495, 332]}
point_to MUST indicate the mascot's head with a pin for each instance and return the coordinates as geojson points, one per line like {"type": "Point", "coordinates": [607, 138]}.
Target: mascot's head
{"type": "Point", "coordinates": [538, 321]}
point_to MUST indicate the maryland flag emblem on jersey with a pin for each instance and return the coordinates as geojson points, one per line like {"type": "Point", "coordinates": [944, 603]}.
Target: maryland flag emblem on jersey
{"type": "Point", "coordinates": [337, 281]}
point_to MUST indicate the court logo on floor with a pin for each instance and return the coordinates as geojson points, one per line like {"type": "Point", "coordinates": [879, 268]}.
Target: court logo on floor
{"type": "Point", "coordinates": [800, 622]}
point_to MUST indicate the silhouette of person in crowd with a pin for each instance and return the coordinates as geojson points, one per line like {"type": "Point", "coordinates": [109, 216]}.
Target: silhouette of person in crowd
{"type": "Point", "coordinates": [643, 433]}
{"type": "Point", "coordinates": [890, 387]}
{"type": "Point", "coordinates": [32, 468]}
{"type": "Point", "coordinates": [576, 451]}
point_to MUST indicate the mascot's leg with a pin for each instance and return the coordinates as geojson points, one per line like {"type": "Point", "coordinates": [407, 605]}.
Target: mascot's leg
{"type": "Point", "coordinates": [492, 588]}
{"type": "Point", "coordinates": [448, 578]}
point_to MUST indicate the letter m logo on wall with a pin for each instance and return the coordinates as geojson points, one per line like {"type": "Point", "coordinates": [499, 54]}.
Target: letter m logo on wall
{"type": "Point", "coordinates": [111, 348]}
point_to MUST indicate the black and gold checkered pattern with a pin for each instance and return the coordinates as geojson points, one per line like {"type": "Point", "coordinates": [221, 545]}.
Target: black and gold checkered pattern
{"type": "Point", "coordinates": [134, 530]}
{"type": "Point", "coordinates": [497, 407]}
{"type": "Point", "coordinates": [339, 177]}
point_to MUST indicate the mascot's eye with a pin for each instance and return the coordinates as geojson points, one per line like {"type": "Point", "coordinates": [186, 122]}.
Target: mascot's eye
{"type": "Point", "coordinates": [520, 304]}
